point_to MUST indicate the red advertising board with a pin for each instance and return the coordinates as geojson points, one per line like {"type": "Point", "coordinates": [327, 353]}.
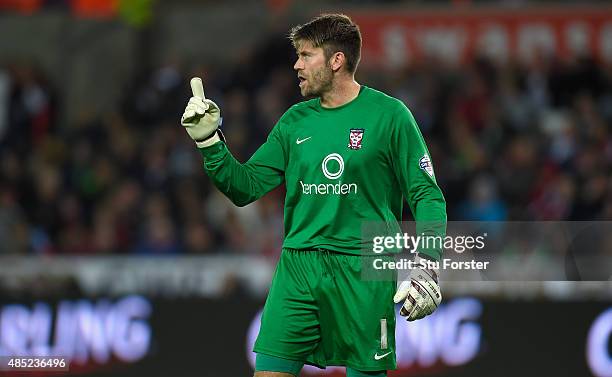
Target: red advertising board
{"type": "Point", "coordinates": [455, 35]}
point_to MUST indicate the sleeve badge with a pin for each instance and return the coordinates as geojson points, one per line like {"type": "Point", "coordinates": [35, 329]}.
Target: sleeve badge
{"type": "Point", "coordinates": [425, 164]}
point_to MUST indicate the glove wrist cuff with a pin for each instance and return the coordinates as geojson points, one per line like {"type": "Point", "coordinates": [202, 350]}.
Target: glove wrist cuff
{"type": "Point", "coordinates": [209, 141]}
{"type": "Point", "coordinates": [433, 272]}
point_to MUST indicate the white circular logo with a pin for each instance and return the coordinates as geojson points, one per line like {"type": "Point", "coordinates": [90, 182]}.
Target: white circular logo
{"type": "Point", "coordinates": [333, 157]}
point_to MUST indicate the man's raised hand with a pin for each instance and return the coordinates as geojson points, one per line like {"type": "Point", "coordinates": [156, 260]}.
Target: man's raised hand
{"type": "Point", "coordinates": [201, 117]}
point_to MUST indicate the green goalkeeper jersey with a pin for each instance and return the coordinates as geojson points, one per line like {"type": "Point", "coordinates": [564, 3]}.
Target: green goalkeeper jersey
{"type": "Point", "coordinates": [343, 167]}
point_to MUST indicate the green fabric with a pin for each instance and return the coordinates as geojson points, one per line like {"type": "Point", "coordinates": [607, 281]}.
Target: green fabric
{"type": "Point", "coordinates": [268, 363]}
{"type": "Point", "coordinates": [321, 311]}
{"type": "Point", "coordinates": [333, 186]}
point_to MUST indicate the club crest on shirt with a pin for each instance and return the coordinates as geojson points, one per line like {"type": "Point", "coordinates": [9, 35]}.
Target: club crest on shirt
{"type": "Point", "coordinates": [425, 164]}
{"type": "Point", "coordinates": [355, 138]}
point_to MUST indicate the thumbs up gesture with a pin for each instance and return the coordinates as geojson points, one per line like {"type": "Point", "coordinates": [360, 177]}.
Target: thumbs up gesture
{"type": "Point", "coordinates": [201, 117]}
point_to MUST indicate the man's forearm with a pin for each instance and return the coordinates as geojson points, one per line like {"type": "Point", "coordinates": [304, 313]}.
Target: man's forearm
{"type": "Point", "coordinates": [241, 183]}
{"type": "Point", "coordinates": [431, 221]}
{"type": "Point", "coordinates": [228, 175]}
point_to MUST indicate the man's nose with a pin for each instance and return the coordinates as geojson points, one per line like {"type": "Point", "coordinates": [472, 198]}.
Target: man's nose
{"type": "Point", "coordinates": [298, 65]}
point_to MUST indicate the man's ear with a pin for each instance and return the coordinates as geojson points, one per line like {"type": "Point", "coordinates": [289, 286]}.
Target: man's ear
{"type": "Point", "coordinates": [337, 60]}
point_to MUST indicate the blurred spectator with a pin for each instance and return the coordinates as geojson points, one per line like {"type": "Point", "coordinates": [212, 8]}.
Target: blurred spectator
{"type": "Point", "coordinates": [13, 226]}
{"type": "Point", "coordinates": [483, 203]}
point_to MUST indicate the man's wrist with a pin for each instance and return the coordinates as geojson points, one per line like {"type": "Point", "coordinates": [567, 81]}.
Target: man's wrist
{"type": "Point", "coordinates": [209, 141]}
{"type": "Point", "coordinates": [431, 269]}
{"type": "Point", "coordinates": [427, 256]}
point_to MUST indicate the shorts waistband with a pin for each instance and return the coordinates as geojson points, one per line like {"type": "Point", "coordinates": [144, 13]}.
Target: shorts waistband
{"type": "Point", "coordinates": [311, 249]}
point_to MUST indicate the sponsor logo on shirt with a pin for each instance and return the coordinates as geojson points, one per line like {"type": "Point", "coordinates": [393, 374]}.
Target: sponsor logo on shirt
{"type": "Point", "coordinates": [331, 172]}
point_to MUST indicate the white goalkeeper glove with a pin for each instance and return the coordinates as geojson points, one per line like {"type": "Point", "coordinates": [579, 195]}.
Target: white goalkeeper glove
{"type": "Point", "coordinates": [421, 292]}
{"type": "Point", "coordinates": [201, 117]}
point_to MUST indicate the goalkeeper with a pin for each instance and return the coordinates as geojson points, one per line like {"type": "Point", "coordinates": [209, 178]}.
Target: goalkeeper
{"type": "Point", "coordinates": [349, 155]}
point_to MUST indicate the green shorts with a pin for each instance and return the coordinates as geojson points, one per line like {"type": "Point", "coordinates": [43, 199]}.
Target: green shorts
{"type": "Point", "coordinates": [320, 311]}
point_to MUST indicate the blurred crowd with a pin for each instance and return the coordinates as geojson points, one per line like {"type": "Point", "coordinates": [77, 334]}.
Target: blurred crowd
{"type": "Point", "coordinates": [509, 141]}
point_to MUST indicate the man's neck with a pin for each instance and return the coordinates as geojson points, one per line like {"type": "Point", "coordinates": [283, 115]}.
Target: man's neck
{"type": "Point", "coordinates": [342, 92]}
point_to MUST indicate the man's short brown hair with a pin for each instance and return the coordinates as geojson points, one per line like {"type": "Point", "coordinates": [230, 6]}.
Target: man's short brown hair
{"type": "Point", "coordinates": [334, 33]}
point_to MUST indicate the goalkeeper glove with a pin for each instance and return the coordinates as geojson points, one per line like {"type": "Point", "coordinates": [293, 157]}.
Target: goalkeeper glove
{"type": "Point", "coordinates": [421, 292]}
{"type": "Point", "coordinates": [201, 117]}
